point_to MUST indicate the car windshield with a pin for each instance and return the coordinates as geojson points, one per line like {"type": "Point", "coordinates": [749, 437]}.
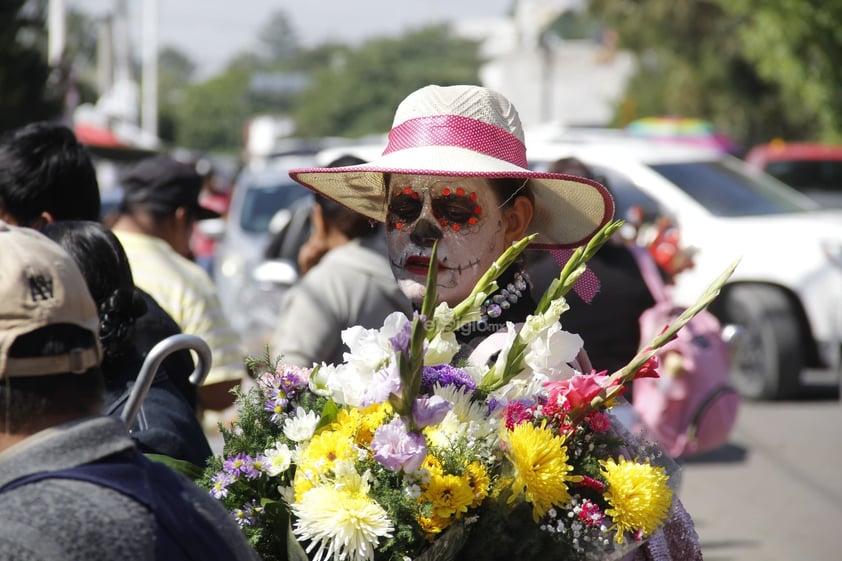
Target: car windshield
{"type": "Point", "coordinates": [262, 202]}
{"type": "Point", "coordinates": [808, 175]}
{"type": "Point", "coordinates": [724, 189]}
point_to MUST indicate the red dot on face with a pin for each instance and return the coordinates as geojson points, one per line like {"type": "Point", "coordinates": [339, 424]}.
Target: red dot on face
{"type": "Point", "coordinates": [414, 195]}
{"type": "Point", "coordinates": [456, 227]}
{"type": "Point", "coordinates": [477, 210]}
{"type": "Point", "coordinates": [398, 225]}
{"type": "Point", "coordinates": [443, 222]}
{"type": "Point", "coordinates": [407, 190]}
{"type": "Point", "coordinates": [473, 196]}
{"type": "Point", "coordinates": [446, 192]}
{"type": "Point", "coordinates": [460, 191]}
{"type": "Point", "coordinates": [472, 220]}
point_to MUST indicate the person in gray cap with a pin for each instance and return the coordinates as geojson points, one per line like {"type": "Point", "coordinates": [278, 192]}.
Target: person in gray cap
{"type": "Point", "coordinates": [73, 486]}
{"type": "Point", "coordinates": [159, 209]}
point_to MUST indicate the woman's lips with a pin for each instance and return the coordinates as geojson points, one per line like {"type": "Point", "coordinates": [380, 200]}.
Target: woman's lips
{"type": "Point", "coordinates": [418, 265]}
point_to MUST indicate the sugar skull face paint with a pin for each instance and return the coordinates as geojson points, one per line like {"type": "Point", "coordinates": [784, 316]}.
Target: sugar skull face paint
{"type": "Point", "coordinates": [462, 213]}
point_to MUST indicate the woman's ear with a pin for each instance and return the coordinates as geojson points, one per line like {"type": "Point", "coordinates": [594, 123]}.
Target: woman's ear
{"type": "Point", "coordinates": [517, 219]}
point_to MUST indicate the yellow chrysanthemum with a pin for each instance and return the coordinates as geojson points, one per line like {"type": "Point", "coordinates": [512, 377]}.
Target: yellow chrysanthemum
{"type": "Point", "coordinates": [433, 465]}
{"type": "Point", "coordinates": [341, 522]}
{"type": "Point", "coordinates": [479, 481]}
{"type": "Point", "coordinates": [433, 525]}
{"type": "Point", "coordinates": [372, 418]}
{"type": "Point", "coordinates": [347, 421]}
{"type": "Point", "coordinates": [326, 448]}
{"type": "Point", "coordinates": [449, 495]}
{"type": "Point", "coordinates": [319, 457]}
{"type": "Point", "coordinates": [638, 494]}
{"type": "Point", "coordinates": [539, 457]}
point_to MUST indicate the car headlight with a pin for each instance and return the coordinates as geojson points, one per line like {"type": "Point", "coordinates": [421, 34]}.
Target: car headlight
{"type": "Point", "coordinates": [833, 251]}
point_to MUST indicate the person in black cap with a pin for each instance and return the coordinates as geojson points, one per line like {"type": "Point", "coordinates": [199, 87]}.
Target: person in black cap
{"type": "Point", "coordinates": [159, 209]}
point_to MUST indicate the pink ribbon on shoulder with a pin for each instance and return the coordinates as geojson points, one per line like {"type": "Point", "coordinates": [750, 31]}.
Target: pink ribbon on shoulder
{"type": "Point", "coordinates": [587, 285]}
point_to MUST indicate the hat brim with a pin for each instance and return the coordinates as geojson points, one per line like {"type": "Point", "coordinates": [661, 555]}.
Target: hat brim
{"type": "Point", "coordinates": [569, 210]}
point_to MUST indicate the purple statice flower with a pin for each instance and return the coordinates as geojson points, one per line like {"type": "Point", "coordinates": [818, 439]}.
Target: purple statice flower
{"type": "Point", "coordinates": [241, 465]}
{"type": "Point", "coordinates": [396, 449]}
{"type": "Point", "coordinates": [446, 375]}
{"type": "Point", "coordinates": [429, 410]}
{"type": "Point", "coordinates": [220, 481]}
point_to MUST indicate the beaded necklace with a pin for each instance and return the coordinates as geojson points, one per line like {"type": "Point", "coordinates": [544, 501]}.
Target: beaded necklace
{"type": "Point", "coordinates": [502, 300]}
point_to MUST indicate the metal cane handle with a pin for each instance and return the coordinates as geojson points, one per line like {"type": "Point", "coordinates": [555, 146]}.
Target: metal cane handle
{"type": "Point", "coordinates": [153, 361]}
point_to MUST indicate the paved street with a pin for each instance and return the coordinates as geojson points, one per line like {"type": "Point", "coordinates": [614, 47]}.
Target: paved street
{"type": "Point", "coordinates": [775, 492]}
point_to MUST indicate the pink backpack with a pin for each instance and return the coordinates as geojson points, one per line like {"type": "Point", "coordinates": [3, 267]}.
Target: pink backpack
{"type": "Point", "coordinates": [692, 407]}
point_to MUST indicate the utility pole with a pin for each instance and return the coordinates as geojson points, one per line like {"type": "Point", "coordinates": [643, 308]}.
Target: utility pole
{"type": "Point", "coordinates": [57, 32]}
{"type": "Point", "coordinates": [149, 68]}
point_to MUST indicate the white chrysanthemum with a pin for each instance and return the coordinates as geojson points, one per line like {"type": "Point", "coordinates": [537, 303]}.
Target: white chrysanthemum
{"type": "Point", "coordinates": [278, 459]}
{"type": "Point", "coordinates": [340, 520]}
{"type": "Point", "coordinates": [465, 419]}
{"type": "Point", "coordinates": [301, 426]}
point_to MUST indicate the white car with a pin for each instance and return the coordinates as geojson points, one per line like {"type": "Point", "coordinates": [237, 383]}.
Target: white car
{"type": "Point", "coordinates": [263, 199]}
{"type": "Point", "coordinates": [786, 293]}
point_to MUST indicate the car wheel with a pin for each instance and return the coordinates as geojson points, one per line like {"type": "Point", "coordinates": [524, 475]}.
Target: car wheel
{"type": "Point", "coordinates": [768, 361]}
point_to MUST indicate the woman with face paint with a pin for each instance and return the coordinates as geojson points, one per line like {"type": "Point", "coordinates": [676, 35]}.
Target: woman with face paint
{"type": "Point", "coordinates": [455, 172]}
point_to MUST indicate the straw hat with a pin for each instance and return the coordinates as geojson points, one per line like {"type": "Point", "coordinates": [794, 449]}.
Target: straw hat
{"type": "Point", "coordinates": [466, 131]}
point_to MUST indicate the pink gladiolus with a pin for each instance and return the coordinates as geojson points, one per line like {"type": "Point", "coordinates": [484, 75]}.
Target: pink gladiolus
{"type": "Point", "coordinates": [649, 369]}
{"type": "Point", "coordinates": [579, 389]}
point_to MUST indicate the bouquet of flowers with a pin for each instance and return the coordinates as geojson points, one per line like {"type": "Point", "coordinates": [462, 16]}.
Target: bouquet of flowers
{"type": "Point", "coordinates": [398, 453]}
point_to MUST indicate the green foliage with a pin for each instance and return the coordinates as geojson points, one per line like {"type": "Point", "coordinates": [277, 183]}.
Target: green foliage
{"type": "Point", "coordinates": [29, 89]}
{"type": "Point", "coordinates": [211, 115]}
{"type": "Point", "coordinates": [357, 93]}
{"type": "Point", "coordinates": [756, 69]}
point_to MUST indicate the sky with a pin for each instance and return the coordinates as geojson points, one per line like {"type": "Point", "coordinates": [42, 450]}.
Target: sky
{"type": "Point", "coordinates": [210, 32]}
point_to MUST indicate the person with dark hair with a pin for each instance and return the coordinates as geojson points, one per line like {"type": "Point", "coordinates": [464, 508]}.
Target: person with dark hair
{"type": "Point", "coordinates": [346, 281]}
{"type": "Point", "coordinates": [159, 209]}
{"type": "Point", "coordinates": [46, 175]}
{"type": "Point", "coordinates": [73, 485]}
{"type": "Point", "coordinates": [166, 423]}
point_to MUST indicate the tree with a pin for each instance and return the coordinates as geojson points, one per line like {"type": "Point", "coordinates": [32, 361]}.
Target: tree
{"type": "Point", "coordinates": [175, 73]}
{"type": "Point", "coordinates": [357, 91]}
{"type": "Point", "coordinates": [757, 69]}
{"type": "Point", "coordinates": [29, 89]}
{"type": "Point", "coordinates": [278, 38]}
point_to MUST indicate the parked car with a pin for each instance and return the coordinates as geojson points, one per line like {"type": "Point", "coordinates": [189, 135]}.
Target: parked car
{"type": "Point", "coordinates": [786, 293]}
{"type": "Point", "coordinates": [261, 204]}
{"type": "Point", "coordinates": [814, 169]}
